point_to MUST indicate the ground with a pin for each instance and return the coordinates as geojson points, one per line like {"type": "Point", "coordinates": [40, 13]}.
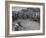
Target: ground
{"type": "Point", "coordinates": [28, 24]}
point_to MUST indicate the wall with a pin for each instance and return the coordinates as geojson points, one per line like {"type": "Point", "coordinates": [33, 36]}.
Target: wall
{"type": "Point", "coordinates": [2, 19]}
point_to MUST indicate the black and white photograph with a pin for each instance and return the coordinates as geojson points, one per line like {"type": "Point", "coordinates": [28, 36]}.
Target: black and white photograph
{"type": "Point", "coordinates": [25, 18]}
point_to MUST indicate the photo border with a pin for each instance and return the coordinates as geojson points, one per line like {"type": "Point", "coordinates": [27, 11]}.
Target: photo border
{"type": "Point", "coordinates": [7, 3]}
{"type": "Point", "coordinates": [29, 31]}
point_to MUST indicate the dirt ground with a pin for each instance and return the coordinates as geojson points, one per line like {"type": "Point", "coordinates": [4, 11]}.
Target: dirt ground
{"type": "Point", "coordinates": [28, 24]}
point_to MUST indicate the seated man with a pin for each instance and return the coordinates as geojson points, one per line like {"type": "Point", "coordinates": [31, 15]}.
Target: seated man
{"type": "Point", "coordinates": [18, 26]}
